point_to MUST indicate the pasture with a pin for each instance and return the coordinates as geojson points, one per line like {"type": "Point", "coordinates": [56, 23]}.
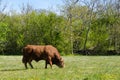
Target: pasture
{"type": "Point", "coordinates": [76, 68]}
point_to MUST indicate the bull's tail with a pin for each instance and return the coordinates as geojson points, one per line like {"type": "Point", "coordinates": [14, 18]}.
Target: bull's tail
{"type": "Point", "coordinates": [23, 50]}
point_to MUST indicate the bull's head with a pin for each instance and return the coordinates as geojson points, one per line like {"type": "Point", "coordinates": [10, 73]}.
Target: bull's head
{"type": "Point", "coordinates": [61, 63]}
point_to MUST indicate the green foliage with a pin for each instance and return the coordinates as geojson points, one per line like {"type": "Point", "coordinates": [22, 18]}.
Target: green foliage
{"type": "Point", "coordinates": [90, 26]}
{"type": "Point", "coordinates": [3, 33]}
{"type": "Point", "coordinates": [34, 28]}
{"type": "Point", "coordinates": [98, 36]}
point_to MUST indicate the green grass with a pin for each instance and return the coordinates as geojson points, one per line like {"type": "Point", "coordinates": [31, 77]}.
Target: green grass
{"type": "Point", "coordinates": [76, 68]}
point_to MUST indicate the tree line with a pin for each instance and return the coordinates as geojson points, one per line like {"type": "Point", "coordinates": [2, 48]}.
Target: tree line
{"type": "Point", "coordinates": [85, 27]}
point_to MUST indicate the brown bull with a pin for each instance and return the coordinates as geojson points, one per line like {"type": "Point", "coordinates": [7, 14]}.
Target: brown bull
{"type": "Point", "coordinates": [48, 53]}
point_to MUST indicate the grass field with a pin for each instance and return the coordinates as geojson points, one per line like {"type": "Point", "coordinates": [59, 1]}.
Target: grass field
{"type": "Point", "coordinates": [76, 68]}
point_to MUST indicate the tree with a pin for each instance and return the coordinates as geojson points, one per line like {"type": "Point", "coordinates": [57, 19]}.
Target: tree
{"type": "Point", "coordinates": [68, 10]}
{"type": "Point", "coordinates": [2, 9]}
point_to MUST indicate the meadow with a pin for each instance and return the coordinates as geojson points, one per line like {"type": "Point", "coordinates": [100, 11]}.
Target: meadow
{"type": "Point", "coordinates": [76, 68]}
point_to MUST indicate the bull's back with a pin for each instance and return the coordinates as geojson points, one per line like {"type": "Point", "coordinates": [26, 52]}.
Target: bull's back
{"type": "Point", "coordinates": [52, 51]}
{"type": "Point", "coordinates": [39, 51]}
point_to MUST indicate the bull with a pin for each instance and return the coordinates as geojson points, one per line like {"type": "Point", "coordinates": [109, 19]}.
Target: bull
{"type": "Point", "coordinates": [36, 52]}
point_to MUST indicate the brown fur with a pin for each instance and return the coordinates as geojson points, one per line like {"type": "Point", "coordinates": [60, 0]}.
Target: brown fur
{"type": "Point", "coordinates": [48, 53]}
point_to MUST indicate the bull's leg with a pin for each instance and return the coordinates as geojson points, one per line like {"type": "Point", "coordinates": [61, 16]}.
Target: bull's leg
{"type": "Point", "coordinates": [31, 65]}
{"type": "Point", "coordinates": [50, 61]}
{"type": "Point", "coordinates": [46, 62]}
{"type": "Point", "coordinates": [30, 60]}
{"type": "Point", "coordinates": [26, 65]}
